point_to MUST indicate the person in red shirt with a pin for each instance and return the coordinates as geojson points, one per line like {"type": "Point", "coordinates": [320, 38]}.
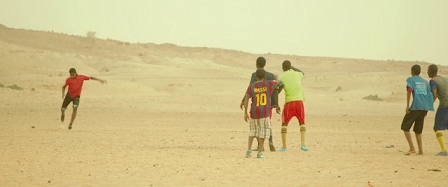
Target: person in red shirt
{"type": "Point", "coordinates": [74, 83]}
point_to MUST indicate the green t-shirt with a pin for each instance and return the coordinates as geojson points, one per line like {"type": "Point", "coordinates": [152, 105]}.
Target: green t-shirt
{"type": "Point", "coordinates": [292, 82]}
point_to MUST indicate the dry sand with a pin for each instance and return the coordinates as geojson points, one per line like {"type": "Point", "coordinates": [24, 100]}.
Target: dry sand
{"type": "Point", "coordinates": [169, 116]}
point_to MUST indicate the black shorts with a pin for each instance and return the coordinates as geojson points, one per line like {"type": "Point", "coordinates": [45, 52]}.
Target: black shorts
{"type": "Point", "coordinates": [68, 99]}
{"type": "Point", "coordinates": [415, 117]}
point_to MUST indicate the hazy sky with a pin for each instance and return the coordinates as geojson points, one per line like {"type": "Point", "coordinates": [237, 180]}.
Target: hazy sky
{"type": "Point", "coordinates": [369, 29]}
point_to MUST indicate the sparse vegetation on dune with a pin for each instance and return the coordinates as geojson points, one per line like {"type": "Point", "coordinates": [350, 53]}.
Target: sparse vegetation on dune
{"type": "Point", "coordinates": [15, 87]}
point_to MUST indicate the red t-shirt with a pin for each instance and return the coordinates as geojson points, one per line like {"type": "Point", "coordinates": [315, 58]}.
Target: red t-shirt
{"type": "Point", "coordinates": [75, 85]}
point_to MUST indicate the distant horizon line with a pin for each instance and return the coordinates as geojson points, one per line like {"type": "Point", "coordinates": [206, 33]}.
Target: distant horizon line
{"type": "Point", "coordinates": [207, 47]}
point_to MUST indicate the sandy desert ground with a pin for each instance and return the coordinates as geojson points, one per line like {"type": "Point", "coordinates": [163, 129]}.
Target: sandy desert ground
{"type": "Point", "coordinates": [169, 116]}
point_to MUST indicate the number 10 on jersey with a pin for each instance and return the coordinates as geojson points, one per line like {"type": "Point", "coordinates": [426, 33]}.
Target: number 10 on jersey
{"type": "Point", "coordinates": [261, 99]}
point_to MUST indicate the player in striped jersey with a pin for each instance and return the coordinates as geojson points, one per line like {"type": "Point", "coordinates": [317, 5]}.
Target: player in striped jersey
{"type": "Point", "coordinates": [260, 63]}
{"type": "Point", "coordinates": [260, 93]}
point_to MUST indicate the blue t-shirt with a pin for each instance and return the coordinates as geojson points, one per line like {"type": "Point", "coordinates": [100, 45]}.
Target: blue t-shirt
{"type": "Point", "coordinates": [421, 93]}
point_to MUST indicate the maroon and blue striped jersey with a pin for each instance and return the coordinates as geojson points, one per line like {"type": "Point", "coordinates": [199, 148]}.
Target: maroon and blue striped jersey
{"type": "Point", "coordinates": [261, 94]}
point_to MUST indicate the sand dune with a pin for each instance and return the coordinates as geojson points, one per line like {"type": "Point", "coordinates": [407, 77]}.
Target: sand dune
{"type": "Point", "coordinates": [169, 116]}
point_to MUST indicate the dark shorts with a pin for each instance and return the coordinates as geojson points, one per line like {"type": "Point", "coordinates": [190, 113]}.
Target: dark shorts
{"type": "Point", "coordinates": [441, 121]}
{"type": "Point", "coordinates": [416, 118]}
{"type": "Point", "coordinates": [68, 99]}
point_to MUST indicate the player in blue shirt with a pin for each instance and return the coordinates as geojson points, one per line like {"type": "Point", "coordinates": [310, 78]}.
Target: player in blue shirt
{"type": "Point", "coordinates": [422, 101]}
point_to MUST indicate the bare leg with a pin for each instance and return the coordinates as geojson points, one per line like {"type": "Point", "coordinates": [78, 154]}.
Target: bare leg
{"type": "Point", "coordinates": [62, 115]}
{"type": "Point", "coordinates": [249, 146]}
{"type": "Point", "coordinates": [250, 141]}
{"type": "Point", "coordinates": [73, 118]}
{"type": "Point", "coordinates": [260, 148]}
{"type": "Point", "coordinates": [258, 145]}
{"type": "Point", "coordinates": [419, 143]}
{"type": "Point", "coordinates": [411, 145]}
{"type": "Point", "coordinates": [75, 110]}
{"type": "Point", "coordinates": [271, 143]}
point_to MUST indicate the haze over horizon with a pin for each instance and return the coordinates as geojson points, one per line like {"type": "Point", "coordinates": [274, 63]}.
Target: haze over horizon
{"type": "Point", "coordinates": [379, 30]}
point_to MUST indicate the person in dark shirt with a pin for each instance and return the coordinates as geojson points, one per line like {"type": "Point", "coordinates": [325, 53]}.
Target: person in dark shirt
{"type": "Point", "coordinates": [439, 87]}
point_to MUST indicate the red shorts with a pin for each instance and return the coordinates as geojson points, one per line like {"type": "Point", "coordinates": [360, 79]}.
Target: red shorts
{"type": "Point", "coordinates": [293, 109]}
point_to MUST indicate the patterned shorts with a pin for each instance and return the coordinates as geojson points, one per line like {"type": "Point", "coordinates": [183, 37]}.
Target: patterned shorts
{"type": "Point", "coordinates": [260, 128]}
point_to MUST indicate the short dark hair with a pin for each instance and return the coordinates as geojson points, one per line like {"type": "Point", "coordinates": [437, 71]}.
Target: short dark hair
{"type": "Point", "coordinates": [416, 69]}
{"type": "Point", "coordinates": [286, 65]}
{"type": "Point", "coordinates": [261, 62]}
{"type": "Point", "coordinates": [432, 69]}
{"type": "Point", "coordinates": [260, 73]}
{"type": "Point", "coordinates": [72, 70]}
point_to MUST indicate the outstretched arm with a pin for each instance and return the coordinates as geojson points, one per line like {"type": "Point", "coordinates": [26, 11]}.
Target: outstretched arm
{"type": "Point", "coordinates": [97, 79]}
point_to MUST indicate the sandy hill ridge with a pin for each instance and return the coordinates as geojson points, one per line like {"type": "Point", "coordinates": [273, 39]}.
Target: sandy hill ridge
{"type": "Point", "coordinates": [39, 60]}
{"type": "Point", "coordinates": [173, 111]}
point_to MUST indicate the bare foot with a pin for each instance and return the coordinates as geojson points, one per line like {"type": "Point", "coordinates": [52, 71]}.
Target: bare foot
{"type": "Point", "coordinates": [272, 148]}
{"type": "Point", "coordinates": [410, 152]}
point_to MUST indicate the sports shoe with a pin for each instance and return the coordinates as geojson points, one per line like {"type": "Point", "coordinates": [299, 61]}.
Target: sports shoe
{"type": "Point", "coordinates": [271, 147]}
{"type": "Point", "coordinates": [248, 154]}
{"type": "Point", "coordinates": [442, 154]}
{"type": "Point", "coordinates": [62, 118]}
{"type": "Point", "coordinates": [304, 148]}
{"type": "Point", "coordinates": [69, 126]}
{"type": "Point", "coordinates": [260, 155]}
{"type": "Point", "coordinates": [282, 150]}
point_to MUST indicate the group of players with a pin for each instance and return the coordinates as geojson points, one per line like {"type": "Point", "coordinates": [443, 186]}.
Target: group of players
{"type": "Point", "coordinates": [424, 94]}
{"type": "Point", "coordinates": [265, 87]}
{"type": "Point", "coordinates": [263, 91]}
